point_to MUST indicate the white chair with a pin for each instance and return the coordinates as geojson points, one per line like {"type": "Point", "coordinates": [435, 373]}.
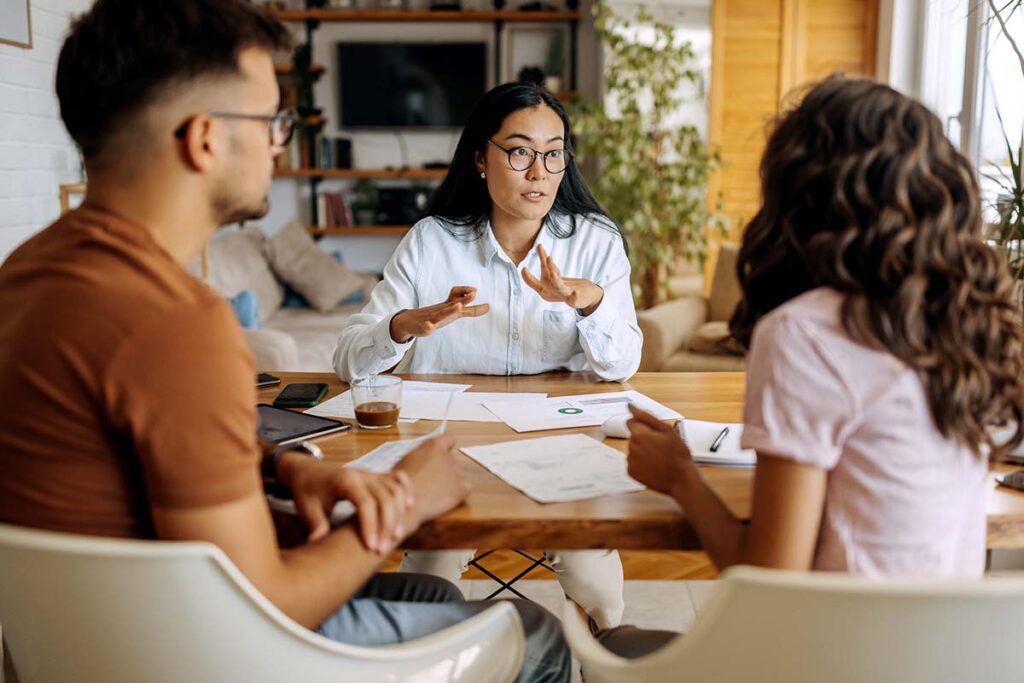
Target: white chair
{"type": "Point", "coordinates": [764, 625]}
{"type": "Point", "coordinates": [78, 608]}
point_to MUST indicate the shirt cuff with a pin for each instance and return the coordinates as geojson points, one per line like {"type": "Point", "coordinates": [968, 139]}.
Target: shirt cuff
{"type": "Point", "coordinates": [603, 317]}
{"type": "Point", "coordinates": [388, 349]}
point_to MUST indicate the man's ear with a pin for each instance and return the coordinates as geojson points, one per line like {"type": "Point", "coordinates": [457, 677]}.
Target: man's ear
{"type": "Point", "coordinates": [197, 147]}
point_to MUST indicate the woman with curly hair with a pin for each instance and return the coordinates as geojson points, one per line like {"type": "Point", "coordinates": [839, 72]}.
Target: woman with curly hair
{"type": "Point", "coordinates": [884, 344]}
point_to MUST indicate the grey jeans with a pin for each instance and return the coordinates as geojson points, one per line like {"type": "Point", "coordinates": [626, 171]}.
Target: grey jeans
{"type": "Point", "coordinates": [395, 608]}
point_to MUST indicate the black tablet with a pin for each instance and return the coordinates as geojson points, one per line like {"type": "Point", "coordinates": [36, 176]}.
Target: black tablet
{"type": "Point", "coordinates": [284, 426]}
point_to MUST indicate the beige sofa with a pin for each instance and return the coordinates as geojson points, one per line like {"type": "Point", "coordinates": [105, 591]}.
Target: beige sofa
{"type": "Point", "coordinates": [690, 334]}
{"type": "Point", "coordinates": [289, 339]}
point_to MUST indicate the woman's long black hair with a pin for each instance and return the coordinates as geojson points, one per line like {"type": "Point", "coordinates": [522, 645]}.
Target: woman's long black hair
{"type": "Point", "coordinates": [462, 200]}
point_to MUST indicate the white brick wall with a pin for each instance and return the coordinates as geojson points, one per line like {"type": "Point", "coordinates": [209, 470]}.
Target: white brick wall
{"type": "Point", "coordinates": [36, 154]}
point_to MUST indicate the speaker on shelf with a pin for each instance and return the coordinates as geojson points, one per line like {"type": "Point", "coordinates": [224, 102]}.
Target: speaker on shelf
{"type": "Point", "coordinates": [342, 153]}
{"type": "Point", "coordinates": [498, 4]}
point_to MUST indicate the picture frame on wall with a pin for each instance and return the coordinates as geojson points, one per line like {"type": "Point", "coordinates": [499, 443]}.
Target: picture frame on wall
{"type": "Point", "coordinates": [15, 23]}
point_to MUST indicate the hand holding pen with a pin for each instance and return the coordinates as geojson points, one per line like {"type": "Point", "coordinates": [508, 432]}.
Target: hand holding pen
{"type": "Point", "coordinates": [658, 455]}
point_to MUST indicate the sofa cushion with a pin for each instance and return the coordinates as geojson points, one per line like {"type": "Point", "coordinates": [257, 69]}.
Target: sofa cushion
{"type": "Point", "coordinates": [714, 338]}
{"type": "Point", "coordinates": [667, 328]}
{"type": "Point", "coordinates": [237, 263]}
{"type": "Point", "coordinates": [310, 271]}
{"type": "Point", "coordinates": [315, 335]}
{"type": "Point", "coordinates": [687, 361]}
{"type": "Point", "coordinates": [725, 288]}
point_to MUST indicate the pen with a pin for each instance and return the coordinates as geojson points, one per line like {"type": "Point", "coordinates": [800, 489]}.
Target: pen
{"type": "Point", "coordinates": [719, 439]}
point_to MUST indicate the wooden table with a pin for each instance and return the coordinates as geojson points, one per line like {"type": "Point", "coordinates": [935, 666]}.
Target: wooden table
{"type": "Point", "coordinates": [498, 516]}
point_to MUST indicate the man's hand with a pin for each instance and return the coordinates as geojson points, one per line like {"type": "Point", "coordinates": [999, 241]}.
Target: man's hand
{"type": "Point", "coordinates": [435, 477]}
{"type": "Point", "coordinates": [421, 322]}
{"type": "Point", "coordinates": [658, 456]}
{"type": "Point", "coordinates": [574, 291]}
{"type": "Point", "coordinates": [382, 501]}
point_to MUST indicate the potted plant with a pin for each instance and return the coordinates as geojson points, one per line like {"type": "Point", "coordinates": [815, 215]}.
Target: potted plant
{"type": "Point", "coordinates": [650, 175]}
{"type": "Point", "coordinates": [1008, 232]}
{"type": "Point", "coordinates": [364, 201]}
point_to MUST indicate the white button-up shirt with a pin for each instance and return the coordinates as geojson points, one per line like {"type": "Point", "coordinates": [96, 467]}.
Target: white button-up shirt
{"type": "Point", "coordinates": [521, 334]}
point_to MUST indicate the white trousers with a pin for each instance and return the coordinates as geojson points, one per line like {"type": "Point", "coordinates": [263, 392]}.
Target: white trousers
{"type": "Point", "coordinates": [591, 578]}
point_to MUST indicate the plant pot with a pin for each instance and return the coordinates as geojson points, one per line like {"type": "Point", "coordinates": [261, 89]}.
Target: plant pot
{"type": "Point", "coordinates": [364, 216]}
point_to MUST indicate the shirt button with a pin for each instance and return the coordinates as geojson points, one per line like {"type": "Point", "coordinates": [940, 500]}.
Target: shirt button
{"type": "Point", "coordinates": [515, 336]}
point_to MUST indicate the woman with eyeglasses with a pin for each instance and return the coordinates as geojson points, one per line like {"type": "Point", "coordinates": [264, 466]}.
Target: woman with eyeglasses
{"type": "Point", "coordinates": [517, 270]}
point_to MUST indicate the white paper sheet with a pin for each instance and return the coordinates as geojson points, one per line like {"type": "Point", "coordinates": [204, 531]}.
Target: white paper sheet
{"type": "Point", "coordinates": [556, 469]}
{"type": "Point", "coordinates": [700, 435]}
{"type": "Point", "coordinates": [585, 410]}
{"type": "Point", "coordinates": [466, 407]}
{"type": "Point", "coordinates": [341, 406]}
{"type": "Point", "coordinates": [426, 405]}
{"type": "Point", "coordinates": [381, 459]}
{"type": "Point", "coordinates": [416, 385]}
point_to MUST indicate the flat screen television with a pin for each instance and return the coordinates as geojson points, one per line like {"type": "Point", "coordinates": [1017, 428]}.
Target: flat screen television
{"type": "Point", "coordinates": [414, 85]}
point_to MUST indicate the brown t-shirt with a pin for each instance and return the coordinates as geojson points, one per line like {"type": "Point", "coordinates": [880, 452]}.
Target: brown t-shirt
{"type": "Point", "coordinates": [124, 382]}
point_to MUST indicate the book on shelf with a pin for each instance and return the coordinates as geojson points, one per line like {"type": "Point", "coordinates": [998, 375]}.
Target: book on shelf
{"type": "Point", "coordinates": [332, 210]}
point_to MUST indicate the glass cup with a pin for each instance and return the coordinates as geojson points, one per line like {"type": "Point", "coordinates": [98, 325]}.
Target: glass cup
{"type": "Point", "coordinates": [377, 400]}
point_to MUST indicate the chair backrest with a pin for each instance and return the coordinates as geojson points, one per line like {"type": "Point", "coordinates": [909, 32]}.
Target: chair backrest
{"type": "Point", "coordinates": [795, 627]}
{"type": "Point", "coordinates": [78, 608]}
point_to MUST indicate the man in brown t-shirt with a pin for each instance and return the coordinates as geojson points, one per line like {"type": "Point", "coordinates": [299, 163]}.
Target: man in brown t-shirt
{"type": "Point", "coordinates": [127, 396]}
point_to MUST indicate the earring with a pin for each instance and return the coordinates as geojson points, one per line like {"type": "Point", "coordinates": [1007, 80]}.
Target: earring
{"type": "Point", "coordinates": [483, 175]}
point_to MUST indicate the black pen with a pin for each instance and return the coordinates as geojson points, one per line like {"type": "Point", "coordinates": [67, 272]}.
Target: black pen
{"type": "Point", "coordinates": [719, 439]}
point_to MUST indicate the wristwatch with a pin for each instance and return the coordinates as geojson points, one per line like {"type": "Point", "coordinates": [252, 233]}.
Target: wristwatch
{"type": "Point", "coordinates": [270, 462]}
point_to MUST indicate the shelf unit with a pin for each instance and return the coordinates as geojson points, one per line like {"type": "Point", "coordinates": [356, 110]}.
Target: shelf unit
{"type": "Point", "coordinates": [368, 173]}
{"type": "Point", "coordinates": [289, 69]}
{"type": "Point", "coordinates": [424, 15]}
{"type": "Point", "coordinates": [312, 19]}
{"type": "Point", "coordinates": [362, 230]}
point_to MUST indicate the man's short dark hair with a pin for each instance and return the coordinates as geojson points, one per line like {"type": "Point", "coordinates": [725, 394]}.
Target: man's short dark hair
{"type": "Point", "coordinates": [121, 54]}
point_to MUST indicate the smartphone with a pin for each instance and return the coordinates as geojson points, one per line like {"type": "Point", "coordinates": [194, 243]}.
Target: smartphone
{"type": "Point", "coordinates": [300, 395]}
{"type": "Point", "coordinates": [1014, 480]}
{"type": "Point", "coordinates": [264, 379]}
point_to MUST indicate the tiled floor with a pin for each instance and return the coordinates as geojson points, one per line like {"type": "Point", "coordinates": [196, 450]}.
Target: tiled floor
{"type": "Point", "coordinates": [665, 605]}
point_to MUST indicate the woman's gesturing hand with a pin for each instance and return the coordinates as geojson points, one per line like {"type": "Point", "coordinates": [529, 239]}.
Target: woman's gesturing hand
{"type": "Point", "coordinates": [574, 291]}
{"type": "Point", "coordinates": [421, 322]}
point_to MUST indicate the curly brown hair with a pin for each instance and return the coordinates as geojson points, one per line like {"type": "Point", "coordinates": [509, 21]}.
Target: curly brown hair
{"type": "Point", "coordinates": [862, 192]}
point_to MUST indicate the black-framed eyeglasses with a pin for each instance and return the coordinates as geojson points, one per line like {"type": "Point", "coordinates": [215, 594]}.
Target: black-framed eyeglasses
{"type": "Point", "coordinates": [280, 126]}
{"type": "Point", "coordinates": [522, 158]}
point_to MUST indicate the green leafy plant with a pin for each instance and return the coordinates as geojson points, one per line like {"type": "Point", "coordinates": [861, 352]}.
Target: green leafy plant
{"type": "Point", "coordinates": [649, 174]}
{"type": "Point", "coordinates": [363, 201]}
{"type": "Point", "coordinates": [1010, 203]}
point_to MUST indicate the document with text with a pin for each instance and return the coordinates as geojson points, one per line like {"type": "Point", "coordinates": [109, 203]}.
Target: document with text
{"type": "Point", "coordinates": [556, 469]}
{"type": "Point", "coordinates": [585, 410]}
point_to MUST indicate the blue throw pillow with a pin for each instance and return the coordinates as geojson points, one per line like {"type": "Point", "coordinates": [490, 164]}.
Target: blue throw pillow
{"type": "Point", "coordinates": [356, 297]}
{"type": "Point", "coordinates": [247, 309]}
{"type": "Point", "coordinates": [293, 299]}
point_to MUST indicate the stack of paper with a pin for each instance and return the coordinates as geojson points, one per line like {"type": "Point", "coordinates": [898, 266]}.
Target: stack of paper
{"type": "Point", "coordinates": [555, 469]}
{"type": "Point", "coordinates": [700, 435]}
{"type": "Point", "coordinates": [585, 410]}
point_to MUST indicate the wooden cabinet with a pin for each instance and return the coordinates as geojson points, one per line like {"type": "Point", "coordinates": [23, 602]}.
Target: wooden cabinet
{"type": "Point", "coordinates": [762, 51]}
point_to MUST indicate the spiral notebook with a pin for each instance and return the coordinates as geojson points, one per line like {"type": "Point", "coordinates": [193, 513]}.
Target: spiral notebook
{"type": "Point", "coordinates": [700, 436]}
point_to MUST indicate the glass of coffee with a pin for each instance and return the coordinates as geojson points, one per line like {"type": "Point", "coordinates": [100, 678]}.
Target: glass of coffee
{"type": "Point", "coordinates": [377, 400]}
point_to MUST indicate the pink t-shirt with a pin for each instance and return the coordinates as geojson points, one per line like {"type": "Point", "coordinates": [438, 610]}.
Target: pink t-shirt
{"type": "Point", "coordinates": [901, 499]}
